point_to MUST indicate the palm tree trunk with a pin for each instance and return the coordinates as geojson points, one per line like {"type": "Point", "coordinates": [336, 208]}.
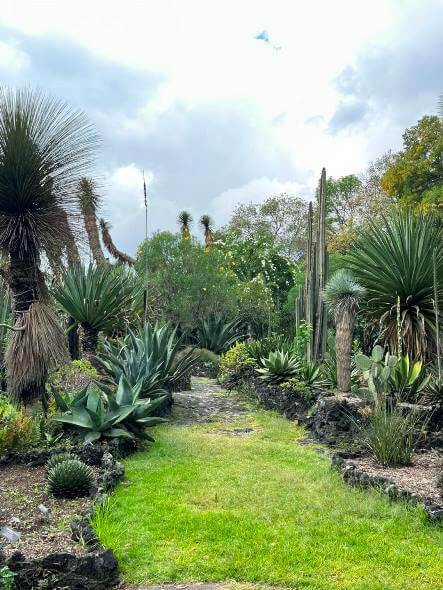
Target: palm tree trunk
{"type": "Point", "coordinates": [93, 237]}
{"type": "Point", "coordinates": [89, 342]}
{"type": "Point", "coordinates": [344, 322]}
{"type": "Point", "coordinates": [73, 339]}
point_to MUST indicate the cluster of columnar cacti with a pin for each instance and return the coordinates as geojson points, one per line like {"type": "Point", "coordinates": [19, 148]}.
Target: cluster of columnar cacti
{"type": "Point", "coordinates": [310, 306]}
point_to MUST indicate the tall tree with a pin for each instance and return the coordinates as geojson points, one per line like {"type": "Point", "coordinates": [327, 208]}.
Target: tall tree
{"type": "Point", "coordinates": [281, 220]}
{"type": "Point", "coordinates": [89, 203]}
{"type": "Point", "coordinates": [206, 223]}
{"type": "Point", "coordinates": [343, 295]}
{"type": "Point", "coordinates": [111, 247]}
{"type": "Point", "coordinates": [185, 221]}
{"type": "Point", "coordinates": [45, 146]}
{"type": "Point", "coordinates": [416, 175]}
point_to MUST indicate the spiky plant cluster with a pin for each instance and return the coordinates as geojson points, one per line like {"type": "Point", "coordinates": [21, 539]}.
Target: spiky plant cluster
{"type": "Point", "coordinates": [111, 247]}
{"type": "Point", "coordinates": [59, 458]}
{"type": "Point", "coordinates": [343, 293]}
{"type": "Point", "coordinates": [185, 221]}
{"type": "Point", "coordinates": [70, 479]}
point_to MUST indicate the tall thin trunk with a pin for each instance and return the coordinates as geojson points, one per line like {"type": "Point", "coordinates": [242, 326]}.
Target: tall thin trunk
{"type": "Point", "coordinates": [73, 339]}
{"type": "Point", "coordinates": [93, 236]}
{"type": "Point", "coordinates": [111, 247]}
{"type": "Point", "coordinates": [89, 342]}
{"type": "Point", "coordinates": [344, 323]}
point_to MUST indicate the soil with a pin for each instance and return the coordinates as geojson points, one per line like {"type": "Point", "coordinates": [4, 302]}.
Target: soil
{"type": "Point", "coordinates": [418, 478]}
{"type": "Point", "coordinates": [22, 490]}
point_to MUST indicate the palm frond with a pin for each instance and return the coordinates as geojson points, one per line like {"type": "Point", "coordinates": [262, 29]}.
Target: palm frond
{"type": "Point", "coordinates": [45, 147]}
{"type": "Point", "coordinates": [393, 261]}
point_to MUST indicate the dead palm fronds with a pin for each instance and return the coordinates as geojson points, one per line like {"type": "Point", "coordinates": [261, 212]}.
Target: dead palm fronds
{"type": "Point", "coordinates": [111, 247]}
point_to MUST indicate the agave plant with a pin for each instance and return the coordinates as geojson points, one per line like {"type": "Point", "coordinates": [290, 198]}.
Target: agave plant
{"type": "Point", "coordinates": [149, 357]}
{"type": "Point", "coordinates": [279, 366]}
{"type": "Point", "coordinates": [97, 298]}
{"type": "Point", "coordinates": [409, 378]}
{"type": "Point", "coordinates": [392, 261]}
{"type": "Point", "coordinates": [217, 334]}
{"type": "Point", "coordinates": [96, 414]}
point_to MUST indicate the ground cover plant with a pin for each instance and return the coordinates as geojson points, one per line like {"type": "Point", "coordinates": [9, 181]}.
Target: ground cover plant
{"type": "Point", "coordinates": [260, 508]}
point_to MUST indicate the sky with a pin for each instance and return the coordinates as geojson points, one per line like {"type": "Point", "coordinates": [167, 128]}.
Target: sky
{"type": "Point", "coordinates": [223, 102]}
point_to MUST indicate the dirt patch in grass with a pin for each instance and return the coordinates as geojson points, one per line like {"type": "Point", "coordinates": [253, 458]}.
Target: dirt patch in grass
{"type": "Point", "coordinates": [22, 490]}
{"type": "Point", "coordinates": [418, 478]}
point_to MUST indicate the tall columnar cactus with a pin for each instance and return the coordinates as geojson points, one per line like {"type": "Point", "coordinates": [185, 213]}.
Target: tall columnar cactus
{"type": "Point", "coordinates": [309, 303]}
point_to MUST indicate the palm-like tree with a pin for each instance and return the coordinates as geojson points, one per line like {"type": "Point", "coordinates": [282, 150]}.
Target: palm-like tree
{"type": "Point", "coordinates": [111, 247]}
{"type": "Point", "coordinates": [343, 295]}
{"type": "Point", "coordinates": [45, 147]}
{"type": "Point", "coordinates": [90, 202]}
{"type": "Point", "coordinates": [206, 224]}
{"type": "Point", "coordinates": [97, 297]}
{"type": "Point", "coordinates": [393, 260]}
{"type": "Point", "coordinates": [185, 220]}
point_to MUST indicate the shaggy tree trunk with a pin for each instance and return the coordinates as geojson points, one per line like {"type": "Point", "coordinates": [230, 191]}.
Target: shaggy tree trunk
{"type": "Point", "coordinates": [73, 339]}
{"type": "Point", "coordinates": [89, 342]}
{"type": "Point", "coordinates": [93, 236]}
{"type": "Point", "coordinates": [344, 324]}
{"type": "Point", "coordinates": [26, 284]}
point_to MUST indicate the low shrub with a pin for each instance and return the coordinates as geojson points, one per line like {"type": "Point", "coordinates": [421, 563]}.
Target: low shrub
{"type": "Point", "coordinates": [18, 430]}
{"type": "Point", "coordinates": [390, 434]}
{"type": "Point", "coordinates": [73, 376]}
{"type": "Point", "coordinates": [236, 366]}
{"type": "Point", "coordinates": [70, 479]}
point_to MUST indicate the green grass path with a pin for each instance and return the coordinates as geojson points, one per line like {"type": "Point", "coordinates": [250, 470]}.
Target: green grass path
{"type": "Point", "coordinates": [203, 504]}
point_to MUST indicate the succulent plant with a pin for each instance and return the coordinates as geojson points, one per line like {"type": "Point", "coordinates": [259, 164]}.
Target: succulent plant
{"type": "Point", "coordinates": [279, 366]}
{"type": "Point", "coordinates": [378, 371]}
{"type": "Point", "coordinates": [59, 458]}
{"type": "Point", "coordinates": [70, 479]}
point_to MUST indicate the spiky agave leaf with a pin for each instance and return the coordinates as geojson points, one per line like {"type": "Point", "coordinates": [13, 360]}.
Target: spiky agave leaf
{"type": "Point", "coordinates": [45, 146]}
{"type": "Point", "coordinates": [393, 259]}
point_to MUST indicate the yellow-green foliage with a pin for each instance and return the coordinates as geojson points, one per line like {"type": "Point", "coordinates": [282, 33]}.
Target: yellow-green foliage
{"type": "Point", "coordinates": [18, 430]}
{"type": "Point", "coordinates": [74, 375]}
{"type": "Point", "coordinates": [235, 363]}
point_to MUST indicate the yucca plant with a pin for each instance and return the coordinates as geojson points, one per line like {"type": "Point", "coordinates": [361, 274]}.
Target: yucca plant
{"type": "Point", "coordinates": [392, 260]}
{"type": "Point", "coordinates": [111, 247]}
{"type": "Point", "coordinates": [45, 147]}
{"type": "Point", "coordinates": [70, 479]}
{"type": "Point", "coordinates": [185, 220]}
{"type": "Point", "coordinates": [206, 224]}
{"type": "Point", "coordinates": [149, 356]}
{"type": "Point", "coordinates": [343, 295]}
{"type": "Point", "coordinates": [279, 366]}
{"type": "Point", "coordinates": [97, 298]}
{"type": "Point", "coordinates": [217, 334]}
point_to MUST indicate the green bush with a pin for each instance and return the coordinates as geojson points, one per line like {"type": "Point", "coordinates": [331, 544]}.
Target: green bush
{"type": "Point", "coordinates": [18, 430]}
{"type": "Point", "coordinates": [390, 434]}
{"type": "Point", "coordinates": [73, 376]}
{"type": "Point", "coordinates": [235, 366]}
{"type": "Point", "coordinates": [70, 479]}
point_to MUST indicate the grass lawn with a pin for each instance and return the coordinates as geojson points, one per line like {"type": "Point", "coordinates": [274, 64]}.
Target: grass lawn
{"type": "Point", "coordinates": [206, 506]}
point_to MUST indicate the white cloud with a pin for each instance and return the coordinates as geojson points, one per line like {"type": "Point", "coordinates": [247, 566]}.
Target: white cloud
{"type": "Point", "coordinates": [12, 58]}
